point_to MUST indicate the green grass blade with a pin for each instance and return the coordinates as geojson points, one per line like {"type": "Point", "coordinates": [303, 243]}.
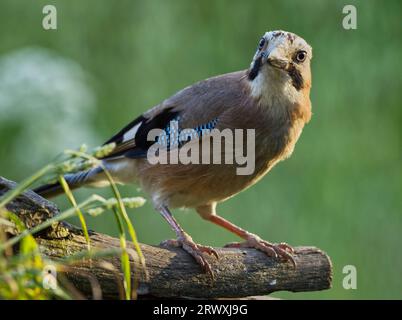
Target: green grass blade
{"type": "Point", "coordinates": [62, 216]}
{"type": "Point", "coordinates": [71, 198]}
{"type": "Point", "coordinates": [11, 194]}
{"type": "Point", "coordinates": [125, 260]}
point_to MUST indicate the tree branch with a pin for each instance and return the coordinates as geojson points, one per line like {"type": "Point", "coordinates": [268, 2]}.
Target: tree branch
{"type": "Point", "coordinates": [172, 272]}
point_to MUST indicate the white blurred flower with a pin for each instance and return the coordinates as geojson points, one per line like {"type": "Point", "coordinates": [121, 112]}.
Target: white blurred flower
{"type": "Point", "coordinates": [46, 99]}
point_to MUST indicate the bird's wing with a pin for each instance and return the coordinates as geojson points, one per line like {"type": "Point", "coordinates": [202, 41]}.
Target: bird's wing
{"type": "Point", "coordinates": [132, 139]}
{"type": "Point", "coordinates": [195, 107]}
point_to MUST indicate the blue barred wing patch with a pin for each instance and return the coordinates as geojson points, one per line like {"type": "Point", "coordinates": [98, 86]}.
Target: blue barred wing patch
{"type": "Point", "coordinates": [174, 136]}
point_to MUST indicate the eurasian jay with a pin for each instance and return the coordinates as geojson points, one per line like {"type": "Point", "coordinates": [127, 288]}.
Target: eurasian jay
{"type": "Point", "coordinates": [271, 97]}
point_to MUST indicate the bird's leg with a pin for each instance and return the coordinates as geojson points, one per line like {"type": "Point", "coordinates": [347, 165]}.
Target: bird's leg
{"type": "Point", "coordinates": [282, 250]}
{"type": "Point", "coordinates": [186, 242]}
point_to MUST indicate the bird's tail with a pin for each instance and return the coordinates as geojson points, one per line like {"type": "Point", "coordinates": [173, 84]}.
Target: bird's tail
{"type": "Point", "coordinates": [74, 181]}
{"type": "Point", "coordinates": [50, 190]}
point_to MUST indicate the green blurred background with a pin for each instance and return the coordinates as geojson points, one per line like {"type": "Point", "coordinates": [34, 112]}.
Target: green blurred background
{"type": "Point", "coordinates": [108, 61]}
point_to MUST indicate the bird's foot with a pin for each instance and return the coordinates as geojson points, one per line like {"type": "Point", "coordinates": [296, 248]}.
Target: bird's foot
{"type": "Point", "coordinates": [277, 250]}
{"type": "Point", "coordinates": [195, 250]}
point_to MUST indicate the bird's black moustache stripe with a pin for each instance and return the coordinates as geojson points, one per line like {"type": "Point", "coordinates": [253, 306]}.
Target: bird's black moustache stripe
{"type": "Point", "coordinates": [297, 79]}
{"type": "Point", "coordinates": [253, 73]}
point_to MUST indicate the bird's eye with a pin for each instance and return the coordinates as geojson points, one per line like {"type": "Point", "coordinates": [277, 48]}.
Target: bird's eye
{"type": "Point", "coordinates": [261, 44]}
{"type": "Point", "coordinates": [301, 56]}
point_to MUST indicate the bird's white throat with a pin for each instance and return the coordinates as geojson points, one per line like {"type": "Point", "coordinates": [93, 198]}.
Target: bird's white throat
{"type": "Point", "coordinates": [273, 86]}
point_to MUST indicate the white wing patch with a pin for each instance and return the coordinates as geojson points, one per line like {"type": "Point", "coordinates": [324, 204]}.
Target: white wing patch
{"type": "Point", "coordinates": [130, 134]}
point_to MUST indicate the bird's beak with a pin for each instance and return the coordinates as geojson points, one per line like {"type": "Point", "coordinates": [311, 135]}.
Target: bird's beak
{"type": "Point", "coordinates": [269, 57]}
{"type": "Point", "coordinates": [273, 60]}
{"type": "Point", "coordinates": [278, 63]}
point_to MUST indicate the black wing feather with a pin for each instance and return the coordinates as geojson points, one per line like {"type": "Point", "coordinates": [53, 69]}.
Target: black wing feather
{"type": "Point", "coordinates": [139, 145]}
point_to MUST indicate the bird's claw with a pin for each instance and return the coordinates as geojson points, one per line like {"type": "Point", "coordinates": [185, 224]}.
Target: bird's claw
{"type": "Point", "coordinates": [195, 250]}
{"type": "Point", "coordinates": [280, 250]}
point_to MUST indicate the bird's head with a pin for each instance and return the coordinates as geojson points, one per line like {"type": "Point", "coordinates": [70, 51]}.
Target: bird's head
{"type": "Point", "coordinates": [283, 57]}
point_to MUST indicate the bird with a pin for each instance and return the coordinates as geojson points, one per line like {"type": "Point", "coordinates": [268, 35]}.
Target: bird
{"type": "Point", "coordinates": [271, 96]}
